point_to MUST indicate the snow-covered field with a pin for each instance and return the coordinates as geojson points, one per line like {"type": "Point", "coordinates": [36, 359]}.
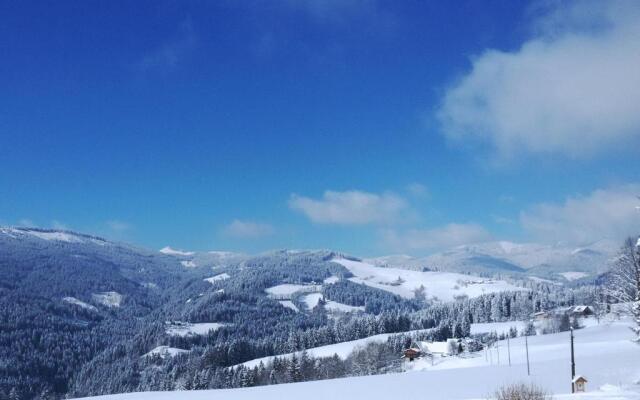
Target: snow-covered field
{"type": "Point", "coordinates": [73, 300]}
{"type": "Point", "coordinates": [341, 349]}
{"type": "Point", "coordinates": [165, 351]}
{"type": "Point", "coordinates": [289, 304]}
{"type": "Point", "coordinates": [219, 277]}
{"type": "Point", "coordinates": [331, 279]}
{"type": "Point", "coordinates": [604, 355]}
{"type": "Point", "coordinates": [335, 306]}
{"type": "Point", "coordinates": [174, 252]}
{"type": "Point", "coordinates": [288, 289]}
{"type": "Point", "coordinates": [443, 285]}
{"type": "Point", "coordinates": [311, 300]}
{"type": "Point", "coordinates": [193, 329]}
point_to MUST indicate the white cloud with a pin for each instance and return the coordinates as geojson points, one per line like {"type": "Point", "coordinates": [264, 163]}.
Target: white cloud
{"type": "Point", "coordinates": [350, 208]}
{"type": "Point", "coordinates": [118, 226]}
{"type": "Point", "coordinates": [574, 89]}
{"type": "Point", "coordinates": [247, 229]}
{"type": "Point", "coordinates": [605, 213]}
{"type": "Point", "coordinates": [439, 238]}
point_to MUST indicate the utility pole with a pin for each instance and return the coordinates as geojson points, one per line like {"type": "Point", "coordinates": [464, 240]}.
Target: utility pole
{"type": "Point", "coordinates": [526, 345]}
{"type": "Point", "coordinates": [573, 363]}
{"type": "Point", "coordinates": [498, 351]}
{"type": "Point", "coordinates": [509, 350]}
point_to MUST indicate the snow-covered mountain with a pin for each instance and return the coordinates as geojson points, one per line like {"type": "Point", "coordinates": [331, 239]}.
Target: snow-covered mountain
{"type": "Point", "coordinates": [546, 261]}
{"type": "Point", "coordinates": [111, 307]}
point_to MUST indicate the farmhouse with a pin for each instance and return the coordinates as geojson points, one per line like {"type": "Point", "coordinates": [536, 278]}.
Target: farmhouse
{"type": "Point", "coordinates": [431, 349]}
{"type": "Point", "coordinates": [582, 311]}
{"type": "Point", "coordinates": [411, 354]}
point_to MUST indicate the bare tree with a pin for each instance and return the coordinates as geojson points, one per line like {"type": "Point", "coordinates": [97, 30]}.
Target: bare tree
{"type": "Point", "coordinates": [623, 284]}
{"type": "Point", "coordinates": [521, 391]}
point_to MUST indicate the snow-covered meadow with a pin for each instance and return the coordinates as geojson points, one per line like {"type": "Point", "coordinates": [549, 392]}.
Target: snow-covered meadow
{"type": "Point", "coordinates": [185, 329]}
{"type": "Point", "coordinates": [442, 285]}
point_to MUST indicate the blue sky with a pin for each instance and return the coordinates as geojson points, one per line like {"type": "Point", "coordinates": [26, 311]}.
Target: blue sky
{"type": "Point", "coordinates": [364, 126]}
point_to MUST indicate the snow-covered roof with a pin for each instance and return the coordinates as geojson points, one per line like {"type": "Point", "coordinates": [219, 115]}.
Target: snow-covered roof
{"type": "Point", "coordinates": [580, 309]}
{"type": "Point", "coordinates": [579, 377]}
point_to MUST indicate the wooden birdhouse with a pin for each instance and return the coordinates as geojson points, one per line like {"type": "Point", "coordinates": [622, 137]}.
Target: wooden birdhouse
{"type": "Point", "coordinates": [579, 384]}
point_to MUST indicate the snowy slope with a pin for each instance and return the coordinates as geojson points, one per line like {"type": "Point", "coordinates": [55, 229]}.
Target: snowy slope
{"type": "Point", "coordinates": [604, 354]}
{"type": "Point", "coordinates": [443, 285]}
{"type": "Point", "coordinates": [498, 327]}
{"type": "Point", "coordinates": [51, 235]}
{"type": "Point", "coordinates": [165, 351]}
{"type": "Point", "coordinates": [311, 300]}
{"type": "Point", "coordinates": [80, 303]}
{"type": "Point", "coordinates": [219, 277]}
{"type": "Point", "coordinates": [289, 304]}
{"type": "Point", "coordinates": [288, 289]}
{"type": "Point", "coordinates": [342, 349]}
{"type": "Point", "coordinates": [187, 329]}
{"type": "Point", "coordinates": [173, 252]}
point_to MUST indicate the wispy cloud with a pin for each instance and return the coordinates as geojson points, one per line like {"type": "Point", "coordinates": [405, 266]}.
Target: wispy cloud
{"type": "Point", "coordinates": [433, 239]}
{"type": "Point", "coordinates": [352, 207]}
{"type": "Point", "coordinates": [247, 229]}
{"type": "Point", "coordinates": [573, 89]}
{"type": "Point", "coordinates": [169, 54]}
{"type": "Point", "coordinates": [418, 190]}
{"type": "Point", "coordinates": [604, 213]}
